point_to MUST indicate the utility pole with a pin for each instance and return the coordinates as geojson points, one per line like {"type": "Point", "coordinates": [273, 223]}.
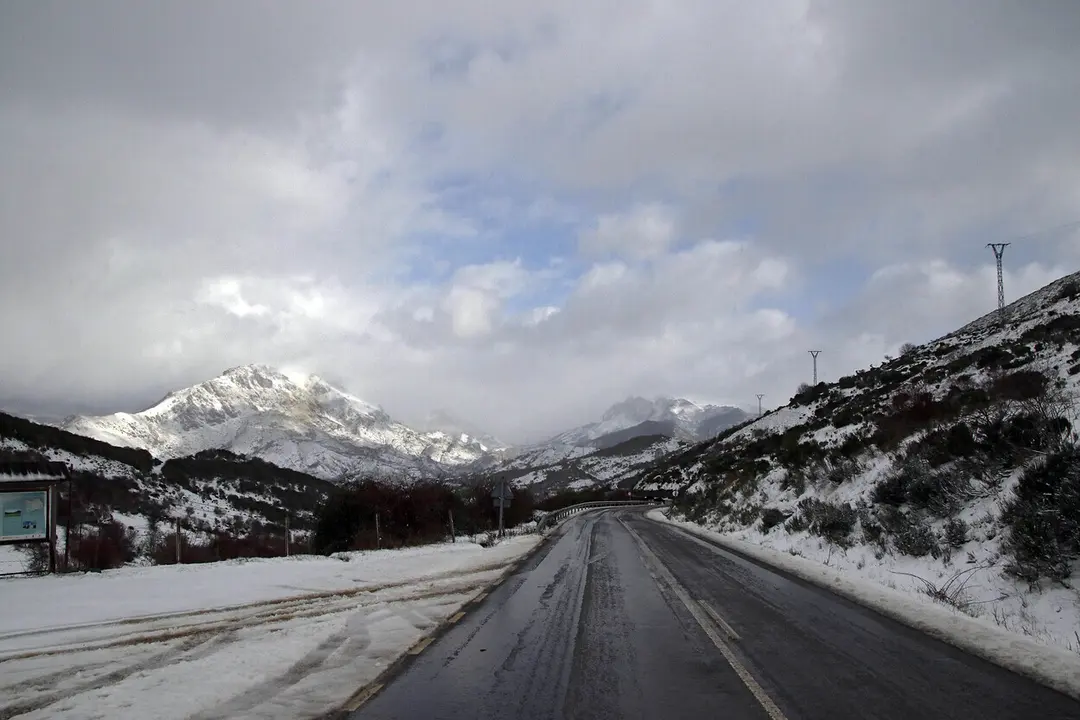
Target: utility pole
{"type": "Point", "coordinates": [453, 535]}
{"type": "Point", "coordinates": [814, 354]}
{"type": "Point", "coordinates": [999, 250]}
{"type": "Point", "coordinates": [502, 501]}
{"type": "Point", "coordinates": [287, 538]}
{"type": "Point", "coordinates": [759, 396]}
{"type": "Point", "coordinates": [378, 534]}
{"type": "Point", "coordinates": [177, 539]}
{"type": "Point", "coordinates": [67, 530]}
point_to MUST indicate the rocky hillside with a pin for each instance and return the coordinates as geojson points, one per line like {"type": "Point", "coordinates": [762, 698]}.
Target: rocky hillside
{"type": "Point", "coordinates": [211, 492]}
{"type": "Point", "coordinates": [956, 464]}
{"type": "Point", "coordinates": [297, 422]}
{"type": "Point", "coordinates": [614, 465]}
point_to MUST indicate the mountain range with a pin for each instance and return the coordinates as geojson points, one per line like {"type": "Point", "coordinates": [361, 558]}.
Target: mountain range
{"type": "Point", "coordinates": [294, 421]}
{"type": "Point", "coordinates": [303, 423]}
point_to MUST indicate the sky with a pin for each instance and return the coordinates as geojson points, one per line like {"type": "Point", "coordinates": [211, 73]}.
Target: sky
{"type": "Point", "coordinates": [521, 212]}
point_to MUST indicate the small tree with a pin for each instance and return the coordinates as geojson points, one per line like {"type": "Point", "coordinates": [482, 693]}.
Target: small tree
{"type": "Point", "coordinates": [908, 348]}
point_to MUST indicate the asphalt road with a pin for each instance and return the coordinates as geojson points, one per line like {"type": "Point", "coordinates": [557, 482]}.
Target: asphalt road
{"type": "Point", "coordinates": [622, 617]}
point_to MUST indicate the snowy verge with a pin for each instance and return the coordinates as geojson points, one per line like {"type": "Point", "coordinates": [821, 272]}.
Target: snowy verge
{"type": "Point", "coordinates": [1054, 667]}
{"type": "Point", "coordinates": [274, 638]}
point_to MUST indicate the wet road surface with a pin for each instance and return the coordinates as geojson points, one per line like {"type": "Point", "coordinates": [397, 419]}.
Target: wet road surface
{"type": "Point", "coordinates": [621, 617]}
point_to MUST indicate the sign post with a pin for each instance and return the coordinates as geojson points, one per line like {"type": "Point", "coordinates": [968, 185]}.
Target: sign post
{"type": "Point", "coordinates": [28, 503]}
{"type": "Point", "coordinates": [501, 496]}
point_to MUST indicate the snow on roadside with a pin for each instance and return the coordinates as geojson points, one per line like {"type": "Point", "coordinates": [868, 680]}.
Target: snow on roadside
{"type": "Point", "coordinates": [1030, 655]}
{"type": "Point", "coordinates": [281, 637]}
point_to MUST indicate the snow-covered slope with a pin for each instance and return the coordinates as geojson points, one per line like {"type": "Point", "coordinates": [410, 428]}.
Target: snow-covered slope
{"type": "Point", "coordinates": [609, 467]}
{"type": "Point", "coordinates": [214, 492]}
{"type": "Point", "coordinates": [549, 470]}
{"type": "Point", "coordinates": [444, 421]}
{"type": "Point", "coordinates": [953, 470]}
{"type": "Point", "coordinates": [631, 435]}
{"type": "Point", "coordinates": [688, 420]}
{"type": "Point", "coordinates": [298, 422]}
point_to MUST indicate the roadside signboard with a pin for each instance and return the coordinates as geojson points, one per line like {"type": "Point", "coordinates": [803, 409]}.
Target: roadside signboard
{"type": "Point", "coordinates": [501, 495]}
{"type": "Point", "coordinates": [24, 515]}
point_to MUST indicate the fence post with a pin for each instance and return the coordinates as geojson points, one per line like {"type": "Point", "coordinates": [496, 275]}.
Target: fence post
{"type": "Point", "coordinates": [54, 498]}
{"type": "Point", "coordinates": [378, 534]}
{"type": "Point", "coordinates": [67, 530]}
{"type": "Point", "coordinates": [177, 539]}
{"type": "Point", "coordinates": [453, 535]}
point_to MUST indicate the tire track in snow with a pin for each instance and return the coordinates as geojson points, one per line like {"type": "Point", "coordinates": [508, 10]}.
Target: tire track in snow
{"type": "Point", "coordinates": [291, 609]}
{"type": "Point", "coordinates": [193, 648]}
{"type": "Point", "coordinates": [201, 640]}
{"type": "Point", "coordinates": [337, 650]}
{"type": "Point", "coordinates": [260, 605]}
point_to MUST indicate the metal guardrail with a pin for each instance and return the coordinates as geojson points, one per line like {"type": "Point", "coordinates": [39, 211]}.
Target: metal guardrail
{"type": "Point", "coordinates": [561, 514]}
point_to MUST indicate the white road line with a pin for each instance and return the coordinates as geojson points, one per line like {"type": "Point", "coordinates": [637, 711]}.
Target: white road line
{"type": "Point", "coordinates": [362, 697]}
{"type": "Point", "coordinates": [710, 629]}
{"type": "Point", "coordinates": [419, 647]}
{"type": "Point", "coordinates": [719, 620]}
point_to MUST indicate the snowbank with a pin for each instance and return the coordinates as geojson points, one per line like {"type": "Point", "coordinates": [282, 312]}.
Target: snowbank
{"type": "Point", "coordinates": [282, 637]}
{"type": "Point", "coordinates": [1054, 666]}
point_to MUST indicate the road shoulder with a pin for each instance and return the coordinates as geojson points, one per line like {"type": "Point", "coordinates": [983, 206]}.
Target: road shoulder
{"type": "Point", "coordinates": [1056, 668]}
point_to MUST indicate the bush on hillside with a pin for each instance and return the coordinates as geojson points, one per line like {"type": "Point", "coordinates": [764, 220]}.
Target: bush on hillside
{"type": "Point", "coordinates": [771, 517]}
{"type": "Point", "coordinates": [917, 539]}
{"type": "Point", "coordinates": [956, 533]}
{"type": "Point", "coordinates": [834, 522]}
{"type": "Point", "coordinates": [1070, 290]}
{"type": "Point", "coordinates": [842, 470]}
{"type": "Point", "coordinates": [913, 481]}
{"type": "Point", "coordinates": [795, 481]}
{"type": "Point", "coordinates": [873, 533]}
{"type": "Point", "coordinates": [807, 393]}
{"type": "Point", "coordinates": [747, 514]}
{"type": "Point", "coordinates": [1044, 518]}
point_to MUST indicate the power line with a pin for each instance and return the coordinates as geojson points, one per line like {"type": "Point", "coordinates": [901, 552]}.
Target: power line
{"type": "Point", "coordinates": [1048, 231]}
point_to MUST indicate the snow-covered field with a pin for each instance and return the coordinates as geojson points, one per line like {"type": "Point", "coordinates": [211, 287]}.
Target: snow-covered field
{"type": "Point", "coordinates": [283, 637]}
{"type": "Point", "coordinates": [1033, 641]}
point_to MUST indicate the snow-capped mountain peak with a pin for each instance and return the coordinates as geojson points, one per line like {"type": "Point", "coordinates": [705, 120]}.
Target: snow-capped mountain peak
{"type": "Point", "coordinates": [685, 419]}
{"type": "Point", "coordinates": [291, 419]}
{"type": "Point", "coordinates": [447, 423]}
{"type": "Point", "coordinates": [636, 410]}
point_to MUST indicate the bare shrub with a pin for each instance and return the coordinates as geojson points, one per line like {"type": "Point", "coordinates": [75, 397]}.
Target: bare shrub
{"type": "Point", "coordinates": [954, 591]}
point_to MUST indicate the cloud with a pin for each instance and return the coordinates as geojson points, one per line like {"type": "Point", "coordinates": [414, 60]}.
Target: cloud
{"type": "Point", "coordinates": [644, 232]}
{"type": "Point", "coordinates": [523, 212]}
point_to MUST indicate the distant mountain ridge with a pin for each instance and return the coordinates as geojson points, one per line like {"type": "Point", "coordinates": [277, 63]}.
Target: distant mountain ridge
{"type": "Point", "coordinates": [447, 422]}
{"type": "Point", "coordinates": [630, 436]}
{"type": "Point", "coordinates": [688, 421]}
